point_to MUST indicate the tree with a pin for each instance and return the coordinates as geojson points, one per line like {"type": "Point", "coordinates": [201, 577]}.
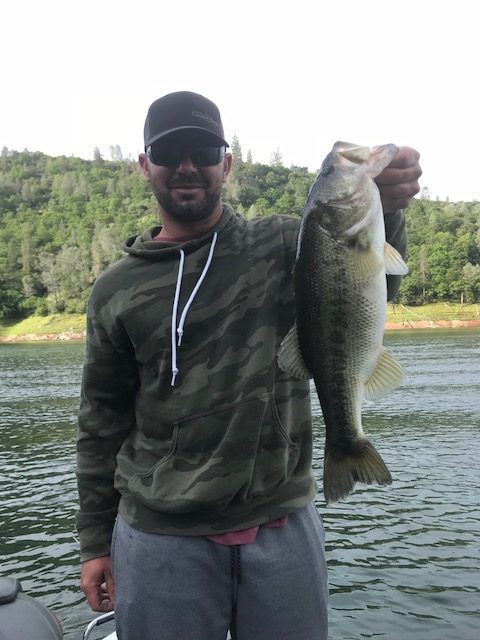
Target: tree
{"type": "Point", "coordinates": [276, 158]}
{"type": "Point", "coordinates": [233, 186]}
{"type": "Point", "coordinates": [48, 275]}
{"type": "Point", "coordinates": [63, 219]}
{"type": "Point", "coordinates": [236, 151]}
{"type": "Point", "coordinates": [116, 153]}
{"type": "Point", "coordinates": [105, 248]}
{"type": "Point", "coordinates": [471, 282]}
{"type": "Point", "coordinates": [423, 270]}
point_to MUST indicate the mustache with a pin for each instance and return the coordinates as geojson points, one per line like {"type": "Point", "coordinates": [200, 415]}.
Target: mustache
{"type": "Point", "coordinates": [182, 180]}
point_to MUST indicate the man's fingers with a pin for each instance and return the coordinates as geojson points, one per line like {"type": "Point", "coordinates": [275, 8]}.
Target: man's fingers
{"type": "Point", "coordinates": [390, 205]}
{"type": "Point", "coordinates": [406, 157]}
{"type": "Point", "coordinates": [400, 191]}
{"type": "Point", "coordinates": [95, 597]}
{"type": "Point", "coordinates": [108, 589]}
{"type": "Point", "coordinates": [392, 175]}
{"type": "Point", "coordinates": [398, 183]}
{"type": "Point", "coordinates": [97, 584]}
{"type": "Point", "coordinates": [101, 598]}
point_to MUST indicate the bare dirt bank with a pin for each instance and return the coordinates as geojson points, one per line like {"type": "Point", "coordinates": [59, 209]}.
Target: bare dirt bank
{"type": "Point", "coordinates": [432, 324]}
{"type": "Point", "coordinates": [389, 326]}
{"type": "Point", "coordinates": [44, 337]}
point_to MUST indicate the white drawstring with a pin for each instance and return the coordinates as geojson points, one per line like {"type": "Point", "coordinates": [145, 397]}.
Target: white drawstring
{"type": "Point", "coordinates": [179, 330]}
{"type": "Point", "coordinates": [174, 316]}
{"type": "Point", "coordinates": [196, 288]}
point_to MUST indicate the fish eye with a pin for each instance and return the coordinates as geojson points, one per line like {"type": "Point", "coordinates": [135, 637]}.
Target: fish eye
{"type": "Point", "coordinates": [326, 169]}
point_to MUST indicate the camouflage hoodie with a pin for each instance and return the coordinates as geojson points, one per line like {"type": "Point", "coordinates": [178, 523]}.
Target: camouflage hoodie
{"type": "Point", "coordinates": [206, 436]}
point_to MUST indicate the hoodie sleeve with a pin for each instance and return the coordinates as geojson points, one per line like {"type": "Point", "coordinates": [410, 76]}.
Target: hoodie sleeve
{"type": "Point", "coordinates": [106, 416]}
{"type": "Point", "coordinates": [396, 235]}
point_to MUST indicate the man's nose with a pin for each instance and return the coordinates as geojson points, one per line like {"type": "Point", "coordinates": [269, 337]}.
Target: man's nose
{"type": "Point", "coordinates": [186, 165]}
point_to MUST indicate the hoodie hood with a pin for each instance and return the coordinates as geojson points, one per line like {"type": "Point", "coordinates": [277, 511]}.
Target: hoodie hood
{"type": "Point", "coordinates": [144, 245]}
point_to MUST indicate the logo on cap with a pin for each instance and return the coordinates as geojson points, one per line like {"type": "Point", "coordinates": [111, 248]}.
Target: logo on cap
{"type": "Point", "coordinates": [205, 116]}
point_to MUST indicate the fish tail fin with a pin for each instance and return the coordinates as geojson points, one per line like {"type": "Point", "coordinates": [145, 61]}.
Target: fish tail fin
{"type": "Point", "coordinates": [342, 470]}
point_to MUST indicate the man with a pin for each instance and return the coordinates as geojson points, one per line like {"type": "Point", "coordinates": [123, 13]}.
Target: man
{"type": "Point", "coordinates": [191, 440]}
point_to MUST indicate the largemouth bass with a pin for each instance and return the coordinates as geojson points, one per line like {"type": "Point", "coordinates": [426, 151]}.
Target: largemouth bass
{"type": "Point", "coordinates": [341, 300]}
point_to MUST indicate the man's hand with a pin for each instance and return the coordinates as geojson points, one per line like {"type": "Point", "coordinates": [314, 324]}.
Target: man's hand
{"type": "Point", "coordinates": [96, 582]}
{"type": "Point", "coordinates": [398, 182]}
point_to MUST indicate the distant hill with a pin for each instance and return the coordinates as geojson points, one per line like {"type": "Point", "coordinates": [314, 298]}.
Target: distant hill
{"type": "Point", "coordinates": [62, 221]}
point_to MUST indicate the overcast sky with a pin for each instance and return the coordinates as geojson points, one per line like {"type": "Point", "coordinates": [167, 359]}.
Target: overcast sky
{"type": "Point", "coordinates": [295, 75]}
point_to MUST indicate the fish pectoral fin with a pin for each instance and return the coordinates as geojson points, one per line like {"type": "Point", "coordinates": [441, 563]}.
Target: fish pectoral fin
{"type": "Point", "coordinates": [289, 357]}
{"type": "Point", "coordinates": [367, 262]}
{"type": "Point", "coordinates": [394, 264]}
{"type": "Point", "coordinates": [388, 375]}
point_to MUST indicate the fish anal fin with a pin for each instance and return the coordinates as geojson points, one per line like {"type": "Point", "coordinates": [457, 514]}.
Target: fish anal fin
{"type": "Point", "coordinates": [394, 264]}
{"type": "Point", "coordinates": [343, 470]}
{"type": "Point", "coordinates": [388, 375]}
{"type": "Point", "coordinates": [289, 357]}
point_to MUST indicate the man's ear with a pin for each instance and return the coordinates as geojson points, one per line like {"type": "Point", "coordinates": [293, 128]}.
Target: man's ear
{"type": "Point", "coordinates": [227, 165]}
{"type": "Point", "coordinates": [144, 164]}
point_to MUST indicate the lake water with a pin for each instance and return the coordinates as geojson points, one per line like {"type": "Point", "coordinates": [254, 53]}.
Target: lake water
{"type": "Point", "coordinates": [404, 560]}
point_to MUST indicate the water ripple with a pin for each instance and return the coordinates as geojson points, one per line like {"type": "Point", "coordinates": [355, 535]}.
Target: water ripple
{"type": "Point", "coordinates": [403, 559]}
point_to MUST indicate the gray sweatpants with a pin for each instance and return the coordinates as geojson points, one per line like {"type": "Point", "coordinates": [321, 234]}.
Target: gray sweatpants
{"type": "Point", "coordinates": [190, 588]}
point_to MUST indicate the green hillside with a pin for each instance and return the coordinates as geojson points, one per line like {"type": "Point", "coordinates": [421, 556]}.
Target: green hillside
{"type": "Point", "coordinates": [63, 220]}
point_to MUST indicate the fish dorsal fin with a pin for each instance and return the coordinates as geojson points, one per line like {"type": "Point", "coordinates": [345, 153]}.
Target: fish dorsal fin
{"type": "Point", "coordinates": [290, 359]}
{"type": "Point", "coordinates": [394, 264]}
{"type": "Point", "coordinates": [388, 375]}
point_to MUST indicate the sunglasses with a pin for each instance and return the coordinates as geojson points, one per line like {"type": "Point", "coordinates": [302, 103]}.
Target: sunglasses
{"type": "Point", "coordinates": [170, 156]}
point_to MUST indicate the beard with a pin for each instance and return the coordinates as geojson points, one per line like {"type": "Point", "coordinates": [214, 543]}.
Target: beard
{"type": "Point", "coordinates": [189, 209]}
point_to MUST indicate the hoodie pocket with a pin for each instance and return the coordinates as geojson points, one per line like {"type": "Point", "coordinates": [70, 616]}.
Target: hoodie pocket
{"type": "Point", "coordinates": [226, 456]}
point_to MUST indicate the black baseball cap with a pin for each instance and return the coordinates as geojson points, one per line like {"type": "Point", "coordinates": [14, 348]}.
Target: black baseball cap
{"type": "Point", "coordinates": [184, 113]}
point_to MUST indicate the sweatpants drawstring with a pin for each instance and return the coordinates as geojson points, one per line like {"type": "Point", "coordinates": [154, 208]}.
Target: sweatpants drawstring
{"type": "Point", "coordinates": [235, 562]}
{"type": "Point", "coordinates": [236, 573]}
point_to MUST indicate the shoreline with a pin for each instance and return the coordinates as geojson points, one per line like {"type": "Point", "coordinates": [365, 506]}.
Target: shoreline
{"type": "Point", "coordinates": [431, 324]}
{"type": "Point", "coordinates": [66, 336]}
{"type": "Point", "coordinates": [405, 325]}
